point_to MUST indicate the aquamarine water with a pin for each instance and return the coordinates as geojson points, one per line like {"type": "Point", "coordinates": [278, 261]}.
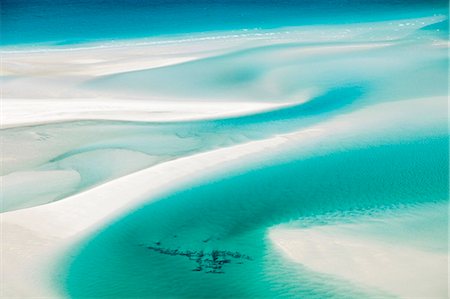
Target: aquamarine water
{"type": "Point", "coordinates": [165, 249]}
{"type": "Point", "coordinates": [66, 22]}
{"type": "Point", "coordinates": [377, 151]}
{"type": "Point", "coordinates": [233, 212]}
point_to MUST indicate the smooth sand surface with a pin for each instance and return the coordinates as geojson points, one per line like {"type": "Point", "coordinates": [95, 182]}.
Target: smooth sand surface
{"type": "Point", "coordinates": [354, 253]}
{"type": "Point", "coordinates": [26, 112]}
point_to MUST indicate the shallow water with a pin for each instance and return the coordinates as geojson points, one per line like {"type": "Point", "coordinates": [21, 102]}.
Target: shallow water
{"type": "Point", "coordinates": [141, 255]}
{"type": "Point", "coordinates": [366, 130]}
{"type": "Point", "coordinates": [209, 238]}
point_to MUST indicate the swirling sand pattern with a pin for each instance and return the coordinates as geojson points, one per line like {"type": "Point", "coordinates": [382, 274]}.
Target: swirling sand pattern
{"type": "Point", "coordinates": [364, 140]}
{"type": "Point", "coordinates": [160, 243]}
{"type": "Point", "coordinates": [327, 78]}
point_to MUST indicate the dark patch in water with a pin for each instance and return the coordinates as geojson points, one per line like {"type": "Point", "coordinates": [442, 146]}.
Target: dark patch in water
{"type": "Point", "coordinates": [208, 262]}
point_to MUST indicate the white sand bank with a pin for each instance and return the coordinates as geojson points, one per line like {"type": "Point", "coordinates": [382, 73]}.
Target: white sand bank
{"type": "Point", "coordinates": [20, 112]}
{"type": "Point", "coordinates": [367, 254]}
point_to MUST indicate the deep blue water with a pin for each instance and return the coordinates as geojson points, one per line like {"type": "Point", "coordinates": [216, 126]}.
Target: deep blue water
{"type": "Point", "coordinates": [75, 21]}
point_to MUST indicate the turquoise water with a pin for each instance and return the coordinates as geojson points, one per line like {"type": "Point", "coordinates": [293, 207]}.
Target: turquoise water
{"type": "Point", "coordinates": [376, 99]}
{"type": "Point", "coordinates": [233, 212]}
{"type": "Point", "coordinates": [209, 237]}
{"type": "Point", "coordinates": [66, 22]}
